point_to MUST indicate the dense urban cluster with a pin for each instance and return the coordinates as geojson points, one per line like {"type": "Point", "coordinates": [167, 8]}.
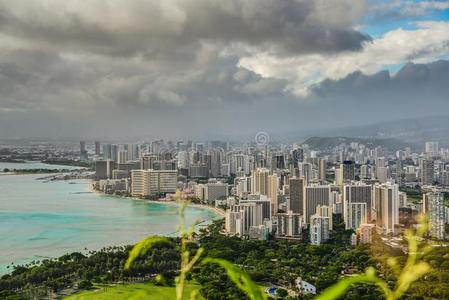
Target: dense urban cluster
{"type": "Point", "coordinates": [288, 191]}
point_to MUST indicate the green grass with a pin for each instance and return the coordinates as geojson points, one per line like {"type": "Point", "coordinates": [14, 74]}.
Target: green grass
{"type": "Point", "coordinates": [147, 291]}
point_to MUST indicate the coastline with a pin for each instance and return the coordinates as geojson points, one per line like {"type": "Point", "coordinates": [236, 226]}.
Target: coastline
{"type": "Point", "coordinates": [219, 212]}
{"type": "Point", "coordinates": [48, 241]}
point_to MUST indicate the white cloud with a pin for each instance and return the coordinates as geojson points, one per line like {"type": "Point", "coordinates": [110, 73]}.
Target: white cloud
{"type": "Point", "coordinates": [427, 43]}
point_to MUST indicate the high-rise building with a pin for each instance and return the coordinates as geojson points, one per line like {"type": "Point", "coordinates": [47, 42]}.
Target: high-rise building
{"type": "Point", "coordinates": [322, 166]}
{"type": "Point", "coordinates": [365, 172]}
{"type": "Point", "coordinates": [320, 225]}
{"type": "Point", "coordinates": [348, 170]}
{"type": "Point", "coordinates": [153, 182]}
{"type": "Point", "coordinates": [386, 207]}
{"type": "Point", "coordinates": [382, 174]}
{"type": "Point", "coordinates": [215, 162]}
{"type": "Point", "coordinates": [357, 198]}
{"type": "Point", "coordinates": [259, 181]}
{"type": "Point", "coordinates": [436, 213]}
{"type": "Point", "coordinates": [123, 157]}
{"type": "Point", "coordinates": [214, 191]}
{"type": "Point", "coordinates": [427, 171]}
{"type": "Point", "coordinates": [315, 195]}
{"type": "Point", "coordinates": [114, 152]}
{"type": "Point", "coordinates": [199, 191]}
{"type": "Point", "coordinates": [239, 218]}
{"type": "Point", "coordinates": [262, 200]}
{"type": "Point", "coordinates": [107, 151]}
{"type": "Point", "coordinates": [295, 200]}
{"type": "Point", "coordinates": [289, 224]}
{"type": "Point", "coordinates": [273, 190]}
{"type": "Point", "coordinates": [339, 176]}
{"type": "Point", "coordinates": [83, 152]}
{"type": "Point", "coordinates": [432, 147]}
{"type": "Point", "coordinates": [278, 162]}
{"type": "Point", "coordinates": [132, 151]}
{"type": "Point", "coordinates": [357, 215]}
{"type": "Point", "coordinates": [242, 187]}
{"type": "Point", "coordinates": [103, 169]}
{"type": "Point", "coordinates": [305, 171]}
{"type": "Point", "coordinates": [97, 148]}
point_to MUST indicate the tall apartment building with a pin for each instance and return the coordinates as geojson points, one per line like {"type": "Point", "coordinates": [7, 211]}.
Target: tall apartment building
{"type": "Point", "coordinates": [122, 157]}
{"type": "Point", "coordinates": [107, 151]}
{"type": "Point", "coordinates": [348, 169]}
{"type": "Point", "coordinates": [314, 196]}
{"type": "Point", "coordinates": [386, 207]}
{"type": "Point", "coordinates": [289, 224]}
{"type": "Point", "coordinates": [259, 181]}
{"type": "Point", "coordinates": [263, 201]}
{"type": "Point", "coordinates": [273, 190]}
{"type": "Point", "coordinates": [436, 213]}
{"type": "Point", "coordinates": [153, 182]}
{"type": "Point", "coordinates": [132, 150]}
{"type": "Point", "coordinates": [239, 218]}
{"type": "Point", "coordinates": [357, 198]}
{"type": "Point", "coordinates": [97, 148]}
{"type": "Point", "coordinates": [322, 166]}
{"type": "Point", "coordinates": [306, 171]}
{"type": "Point", "coordinates": [427, 171]}
{"type": "Point", "coordinates": [103, 169]}
{"type": "Point", "coordinates": [214, 191]}
{"type": "Point", "coordinates": [295, 201]}
{"type": "Point", "coordinates": [320, 225]}
{"type": "Point", "coordinates": [83, 152]}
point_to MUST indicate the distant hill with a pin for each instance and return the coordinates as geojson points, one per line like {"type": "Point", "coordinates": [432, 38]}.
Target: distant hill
{"type": "Point", "coordinates": [413, 130]}
{"type": "Point", "coordinates": [325, 143]}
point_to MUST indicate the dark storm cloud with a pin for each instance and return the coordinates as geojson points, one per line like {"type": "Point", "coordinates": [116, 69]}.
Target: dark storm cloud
{"type": "Point", "coordinates": [152, 27]}
{"type": "Point", "coordinates": [114, 68]}
{"type": "Point", "coordinates": [416, 90]}
{"type": "Point", "coordinates": [413, 82]}
{"type": "Point", "coordinates": [158, 55]}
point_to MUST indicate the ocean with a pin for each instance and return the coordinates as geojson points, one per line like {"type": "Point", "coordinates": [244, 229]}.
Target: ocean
{"type": "Point", "coordinates": [46, 219]}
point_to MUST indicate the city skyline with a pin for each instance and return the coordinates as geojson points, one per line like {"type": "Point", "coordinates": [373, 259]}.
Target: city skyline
{"type": "Point", "coordinates": [224, 149]}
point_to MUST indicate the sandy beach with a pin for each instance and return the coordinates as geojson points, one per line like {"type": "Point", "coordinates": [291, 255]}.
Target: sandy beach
{"type": "Point", "coordinates": [216, 210]}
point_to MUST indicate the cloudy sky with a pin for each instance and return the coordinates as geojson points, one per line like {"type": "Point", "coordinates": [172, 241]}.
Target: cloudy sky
{"type": "Point", "coordinates": [210, 68]}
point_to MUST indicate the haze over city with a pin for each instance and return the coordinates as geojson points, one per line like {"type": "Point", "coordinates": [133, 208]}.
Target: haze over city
{"type": "Point", "coordinates": [203, 69]}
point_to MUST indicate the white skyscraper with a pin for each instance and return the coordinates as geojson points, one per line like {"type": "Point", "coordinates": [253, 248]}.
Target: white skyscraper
{"type": "Point", "coordinates": [259, 181]}
{"type": "Point", "coordinates": [386, 207]}
{"type": "Point", "coordinates": [153, 182]}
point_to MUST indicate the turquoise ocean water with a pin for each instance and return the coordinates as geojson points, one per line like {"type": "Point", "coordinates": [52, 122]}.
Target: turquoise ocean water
{"type": "Point", "coordinates": [41, 219]}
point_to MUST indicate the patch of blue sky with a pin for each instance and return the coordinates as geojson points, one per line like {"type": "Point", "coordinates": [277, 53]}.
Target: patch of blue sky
{"type": "Point", "coordinates": [383, 17]}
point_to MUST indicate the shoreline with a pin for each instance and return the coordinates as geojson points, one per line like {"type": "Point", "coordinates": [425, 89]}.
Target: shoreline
{"type": "Point", "coordinates": [219, 212]}
{"type": "Point", "coordinates": [86, 186]}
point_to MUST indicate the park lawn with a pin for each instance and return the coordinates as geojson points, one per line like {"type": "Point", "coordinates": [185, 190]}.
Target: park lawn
{"type": "Point", "coordinates": [147, 291]}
